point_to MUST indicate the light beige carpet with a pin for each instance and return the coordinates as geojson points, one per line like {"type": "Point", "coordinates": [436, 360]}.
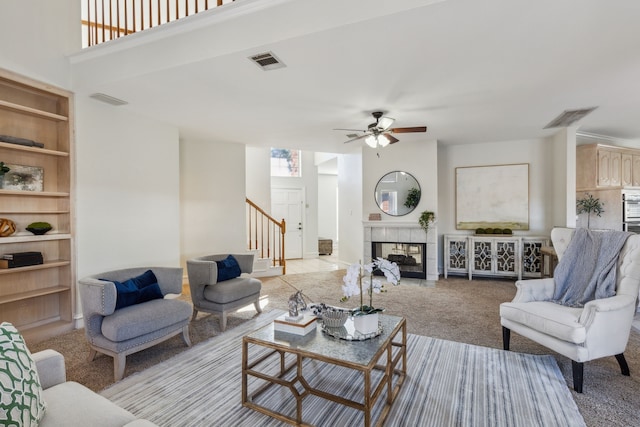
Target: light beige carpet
{"type": "Point", "coordinates": [455, 309]}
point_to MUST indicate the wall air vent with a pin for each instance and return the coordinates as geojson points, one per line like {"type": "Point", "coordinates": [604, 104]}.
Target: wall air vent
{"type": "Point", "coordinates": [267, 61]}
{"type": "Point", "coordinates": [569, 117]}
{"type": "Point", "coordinates": [108, 99]}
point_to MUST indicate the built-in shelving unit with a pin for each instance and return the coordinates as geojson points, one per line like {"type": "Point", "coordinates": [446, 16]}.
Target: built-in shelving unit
{"type": "Point", "coordinates": [39, 300]}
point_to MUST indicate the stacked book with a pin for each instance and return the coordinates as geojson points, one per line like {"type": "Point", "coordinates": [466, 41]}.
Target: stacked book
{"type": "Point", "coordinates": [303, 326]}
{"type": "Point", "coordinates": [21, 259]}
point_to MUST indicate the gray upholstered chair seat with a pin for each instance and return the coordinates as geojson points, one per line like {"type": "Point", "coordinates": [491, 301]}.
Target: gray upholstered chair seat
{"type": "Point", "coordinates": [118, 333]}
{"type": "Point", "coordinates": [213, 296]}
{"type": "Point", "coordinates": [142, 319]}
{"type": "Point", "coordinates": [232, 290]}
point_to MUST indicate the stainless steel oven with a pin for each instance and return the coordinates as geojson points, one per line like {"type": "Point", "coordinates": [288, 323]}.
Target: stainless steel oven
{"type": "Point", "coordinates": [631, 210]}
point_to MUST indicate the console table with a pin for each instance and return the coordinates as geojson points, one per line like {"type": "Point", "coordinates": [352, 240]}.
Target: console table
{"type": "Point", "coordinates": [494, 255]}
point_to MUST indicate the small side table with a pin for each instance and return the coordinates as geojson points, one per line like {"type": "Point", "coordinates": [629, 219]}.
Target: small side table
{"type": "Point", "coordinates": [549, 253]}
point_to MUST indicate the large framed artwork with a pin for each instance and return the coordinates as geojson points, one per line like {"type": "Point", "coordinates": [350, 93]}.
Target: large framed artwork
{"type": "Point", "coordinates": [23, 178]}
{"type": "Point", "coordinates": [492, 197]}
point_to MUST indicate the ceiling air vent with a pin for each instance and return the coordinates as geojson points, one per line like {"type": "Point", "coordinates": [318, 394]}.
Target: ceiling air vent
{"type": "Point", "coordinates": [108, 99]}
{"type": "Point", "coordinates": [267, 61]}
{"type": "Point", "coordinates": [569, 117]}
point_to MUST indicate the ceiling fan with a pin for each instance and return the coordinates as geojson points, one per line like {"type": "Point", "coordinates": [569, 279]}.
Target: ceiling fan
{"type": "Point", "coordinates": [379, 133]}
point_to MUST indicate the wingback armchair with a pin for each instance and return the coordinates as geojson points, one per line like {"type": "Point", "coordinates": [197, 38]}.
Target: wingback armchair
{"type": "Point", "coordinates": [598, 329]}
{"type": "Point", "coordinates": [120, 332]}
{"type": "Point", "coordinates": [212, 295]}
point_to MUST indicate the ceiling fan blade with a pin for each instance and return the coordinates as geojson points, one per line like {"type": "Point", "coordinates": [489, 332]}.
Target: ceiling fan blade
{"type": "Point", "coordinates": [352, 130]}
{"type": "Point", "coordinates": [355, 139]}
{"type": "Point", "coordinates": [408, 130]}
{"type": "Point", "coordinates": [385, 122]}
{"type": "Point", "coordinates": [392, 139]}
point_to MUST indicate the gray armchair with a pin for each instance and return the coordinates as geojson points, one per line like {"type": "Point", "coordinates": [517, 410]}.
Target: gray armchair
{"type": "Point", "coordinates": [118, 333]}
{"type": "Point", "coordinates": [213, 296]}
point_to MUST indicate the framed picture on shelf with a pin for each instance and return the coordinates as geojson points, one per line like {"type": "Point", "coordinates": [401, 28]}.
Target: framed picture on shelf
{"type": "Point", "coordinates": [23, 178]}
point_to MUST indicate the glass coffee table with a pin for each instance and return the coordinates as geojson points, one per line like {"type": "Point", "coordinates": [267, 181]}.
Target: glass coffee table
{"type": "Point", "coordinates": [291, 365]}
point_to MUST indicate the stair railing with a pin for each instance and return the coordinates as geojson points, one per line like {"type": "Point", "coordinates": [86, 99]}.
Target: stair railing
{"type": "Point", "coordinates": [105, 20]}
{"type": "Point", "coordinates": [266, 234]}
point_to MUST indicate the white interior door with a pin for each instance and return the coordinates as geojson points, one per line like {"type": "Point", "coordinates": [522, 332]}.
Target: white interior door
{"type": "Point", "coordinates": [287, 203]}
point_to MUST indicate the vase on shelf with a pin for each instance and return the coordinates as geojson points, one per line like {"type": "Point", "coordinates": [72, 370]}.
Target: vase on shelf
{"type": "Point", "coordinates": [366, 323]}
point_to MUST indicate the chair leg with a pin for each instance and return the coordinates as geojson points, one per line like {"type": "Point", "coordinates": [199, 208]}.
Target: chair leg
{"type": "Point", "coordinates": [506, 338]}
{"type": "Point", "coordinates": [195, 313]}
{"type": "Point", "coordinates": [119, 363]}
{"type": "Point", "coordinates": [223, 321]}
{"type": "Point", "coordinates": [624, 368]}
{"type": "Point", "coordinates": [92, 354]}
{"type": "Point", "coordinates": [257, 305]}
{"type": "Point", "coordinates": [185, 335]}
{"type": "Point", "coordinates": [578, 374]}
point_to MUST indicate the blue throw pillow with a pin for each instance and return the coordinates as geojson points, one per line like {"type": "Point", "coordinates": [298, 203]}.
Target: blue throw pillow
{"type": "Point", "coordinates": [228, 268]}
{"type": "Point", "coordinates": [137, 290]}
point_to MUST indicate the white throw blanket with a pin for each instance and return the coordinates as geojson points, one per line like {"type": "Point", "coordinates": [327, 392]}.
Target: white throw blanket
{"type": "Point", "coordinates": [587, 271]}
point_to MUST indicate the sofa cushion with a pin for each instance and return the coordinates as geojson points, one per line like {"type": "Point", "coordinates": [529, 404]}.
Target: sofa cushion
{"type": "Point", "coordinates": [232, 290]}
{"type": "Point", "coordinates": [21, 401]}
{"type": "Point", "coordinates": [137, 290]}
{"type": "Point", "coordinates": [548, 318]}
{"type": "Point", "coordinates": [72, 404]}
{"type": "Point", "coordinates": [141, 319]}
{"type": "Point", "coordinates": [228, 269]}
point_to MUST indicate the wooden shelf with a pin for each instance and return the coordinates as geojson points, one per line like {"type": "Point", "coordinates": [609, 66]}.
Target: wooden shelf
{"type": "Point", "coordinates": [34, 238]}
{"type": "Point", "coordinates": [36, 212]}
{"type": "Point", "coordinates": [38, 150]}
{"type": "Point", "coordinates": [48, 264]}
{"type": "Point", "coordinates": [32, 111]}
{"type": "Point", "coordinates": [34, 193]}
{"type": "Point", "coordinates": [33, 294]}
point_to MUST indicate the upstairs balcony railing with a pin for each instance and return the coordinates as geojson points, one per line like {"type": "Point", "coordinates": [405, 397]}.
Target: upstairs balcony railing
{"type": "Point", "coordinates": [104, 20]}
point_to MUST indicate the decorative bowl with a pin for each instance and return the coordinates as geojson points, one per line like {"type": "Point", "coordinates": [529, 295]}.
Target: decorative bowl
{"type": "Point", "coordinates": [38, 231]}
{"type": "Point", "coordinates": [334, 319]}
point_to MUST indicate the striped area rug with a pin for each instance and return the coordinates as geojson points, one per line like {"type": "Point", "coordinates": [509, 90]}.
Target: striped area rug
{"type": "Point", "coordinates": [447, 384]}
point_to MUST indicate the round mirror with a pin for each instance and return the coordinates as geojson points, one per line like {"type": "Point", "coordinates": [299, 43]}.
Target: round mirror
{"type": "Point", "coordinates": [397, 193]}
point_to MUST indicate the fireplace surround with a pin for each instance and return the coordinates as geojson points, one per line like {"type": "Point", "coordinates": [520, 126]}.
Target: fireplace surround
{"type": "Point", "coordinates": [406, 233]}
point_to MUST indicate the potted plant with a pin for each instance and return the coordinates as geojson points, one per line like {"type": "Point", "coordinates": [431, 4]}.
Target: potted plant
{"type": "Point", "coordinates": [365, 317]}
{"type": "Point", "coordinates": [589, 204]}
{"type": "Point", "coordinates": [3, 169]}
{"type": "Point", "coordinates": [426, 219]}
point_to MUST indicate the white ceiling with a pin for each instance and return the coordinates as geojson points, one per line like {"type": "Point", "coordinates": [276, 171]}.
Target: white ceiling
{"type": "Point", "coordinates": [472, 71]}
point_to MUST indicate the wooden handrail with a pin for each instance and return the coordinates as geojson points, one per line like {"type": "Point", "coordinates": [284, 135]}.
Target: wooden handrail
{"type": "Point", "coordinates": [266, 234]}
{"type": "Point", "coordinates": [102, 18]}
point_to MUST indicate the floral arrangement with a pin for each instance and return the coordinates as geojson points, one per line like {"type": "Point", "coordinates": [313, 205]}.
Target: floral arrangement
{"type": "Point", "coordinates": [356, 284]}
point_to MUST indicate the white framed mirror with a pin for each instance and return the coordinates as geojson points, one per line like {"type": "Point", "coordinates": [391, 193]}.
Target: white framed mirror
{"type": "Point", "coordinates": [397, 193]}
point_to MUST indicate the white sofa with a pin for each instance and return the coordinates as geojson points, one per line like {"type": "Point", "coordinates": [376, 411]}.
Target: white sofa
{"type": "Point", "coordinates": [71, 404]}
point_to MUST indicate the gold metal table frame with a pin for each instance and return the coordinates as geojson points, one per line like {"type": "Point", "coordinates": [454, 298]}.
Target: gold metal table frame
{"type": "Point", "coordinates": [386, 353]}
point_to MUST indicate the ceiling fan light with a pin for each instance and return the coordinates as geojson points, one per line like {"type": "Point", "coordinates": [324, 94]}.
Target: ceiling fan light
{"type": "Point", "coordinates": [371, 141]}
{"type": "Point", "coordinates": [385, 122]}
{"type": "Point", "coordinates": [383, 140]}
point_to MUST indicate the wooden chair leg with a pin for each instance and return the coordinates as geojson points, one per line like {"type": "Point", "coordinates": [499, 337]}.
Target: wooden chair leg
{"type": "Point", "coordinates": [195, 313]}
{"type": "Point", "coordinates": [185, 335]}
{"type": "Point", "coordinates": [257, 305]}
{"type": "Point", "coordinates": [578, 374]}
{"type": "Point", "coordinates": [223, 321]}
{"type": "Point", "coordinates": [506, 338]}
{"type": "Point", "coordinates": [624, 368]}
{"type": "Point", "coordinates": [92, 354]}
{"type": "Point", "coordinates": [119, 363]}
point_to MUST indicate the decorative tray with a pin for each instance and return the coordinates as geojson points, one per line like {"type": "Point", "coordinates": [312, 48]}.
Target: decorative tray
{"type": "Point", "coordinates": [348, 332]}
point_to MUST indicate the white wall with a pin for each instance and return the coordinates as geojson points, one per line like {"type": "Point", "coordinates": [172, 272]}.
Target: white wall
{"type": "Point", "coordinates": [258, 176]}
{"type": "Point", "coordinates": [328, 206]}
{"type": "Point", "coordinates": [36, 36]}
{"type": "Point", "coordinates": [127, 190]}
{"type": "Point", "coordinates": [350, 227]}
{"type": "Point", "coordinates": [212, 198]}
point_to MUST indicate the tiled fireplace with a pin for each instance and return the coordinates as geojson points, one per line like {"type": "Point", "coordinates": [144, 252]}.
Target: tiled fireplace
{"type": "Point", "coordinates": [405, 240]}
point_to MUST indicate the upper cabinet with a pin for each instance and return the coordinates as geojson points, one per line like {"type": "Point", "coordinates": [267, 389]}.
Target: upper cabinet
{"type": "Point", "coordinates": [603, 166]}
{"type": "Point", "coordinates": [36, 141]}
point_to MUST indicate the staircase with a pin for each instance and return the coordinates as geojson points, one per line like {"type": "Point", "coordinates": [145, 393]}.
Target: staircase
{"type": "Point", "coordinates": [266, 241]}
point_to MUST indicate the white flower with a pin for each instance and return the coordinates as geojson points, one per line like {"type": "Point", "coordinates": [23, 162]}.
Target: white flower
{"type": "Point", "coordinates": [390, 269]}
{"type": "Point", "coordinates": [351, 281]}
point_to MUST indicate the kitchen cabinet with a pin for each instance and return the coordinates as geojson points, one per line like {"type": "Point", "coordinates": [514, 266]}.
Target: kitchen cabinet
{"type": "Point", "coordinates": [601, 166]}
